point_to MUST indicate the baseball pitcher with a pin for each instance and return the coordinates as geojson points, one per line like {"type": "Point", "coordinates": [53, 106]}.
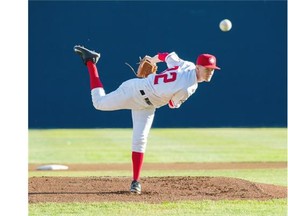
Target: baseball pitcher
{"type": "Point", "coordinates": [147, 92]}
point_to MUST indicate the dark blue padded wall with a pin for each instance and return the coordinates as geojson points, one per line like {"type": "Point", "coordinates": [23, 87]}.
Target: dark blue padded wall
{"type": "Point", "coordinates": [249, 91]}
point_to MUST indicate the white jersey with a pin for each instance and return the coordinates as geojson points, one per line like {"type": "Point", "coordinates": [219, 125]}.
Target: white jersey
{"type": "Point", "coordinates": [174, 85]}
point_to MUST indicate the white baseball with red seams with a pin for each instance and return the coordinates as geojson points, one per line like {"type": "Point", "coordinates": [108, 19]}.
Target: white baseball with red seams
{"type": "Point", "coordinates": [225, 25]}
{"type": "Point", "coordinates": [143, 96]}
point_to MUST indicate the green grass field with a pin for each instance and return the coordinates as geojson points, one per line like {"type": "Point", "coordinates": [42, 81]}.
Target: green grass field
{"type": "Point", "coordinates": [164, 146]}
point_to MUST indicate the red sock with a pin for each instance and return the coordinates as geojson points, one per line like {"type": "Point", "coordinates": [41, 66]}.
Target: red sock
{"type": "Point", "coordinates": [94, 76]}
{"type": "Point", "coordinates": [137, 160]}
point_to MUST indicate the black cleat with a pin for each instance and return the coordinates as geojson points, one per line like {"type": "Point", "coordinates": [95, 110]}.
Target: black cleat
{"type": "Point", "coordinates": [86, 54]}
{"type": "Point", "coordinates": [135, 187]}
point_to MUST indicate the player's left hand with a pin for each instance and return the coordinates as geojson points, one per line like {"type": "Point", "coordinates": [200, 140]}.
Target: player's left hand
{"type": "Point", "coordinates": [146, 67]}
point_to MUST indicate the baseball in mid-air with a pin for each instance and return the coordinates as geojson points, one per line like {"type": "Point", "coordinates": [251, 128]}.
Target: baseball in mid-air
{"type": "Point", "coordinates": [225, 25]}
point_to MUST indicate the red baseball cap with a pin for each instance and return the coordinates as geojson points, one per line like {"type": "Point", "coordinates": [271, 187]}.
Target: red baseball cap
{"type": "Point", "coordinates": [207, 60]}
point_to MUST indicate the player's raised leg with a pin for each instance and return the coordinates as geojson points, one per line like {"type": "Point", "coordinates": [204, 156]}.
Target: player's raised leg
{"type": "Point", "coordinates": [90, 58]}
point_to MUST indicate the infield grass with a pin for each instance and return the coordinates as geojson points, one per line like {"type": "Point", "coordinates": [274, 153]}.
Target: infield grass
{"type": "Point", "coordinates": [165, 146]}
{"type": "Point", "coordinates": [199, 208]}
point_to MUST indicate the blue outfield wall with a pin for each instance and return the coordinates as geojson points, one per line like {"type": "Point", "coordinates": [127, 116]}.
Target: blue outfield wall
{"type": "Point", "coordinates": [249, 91]}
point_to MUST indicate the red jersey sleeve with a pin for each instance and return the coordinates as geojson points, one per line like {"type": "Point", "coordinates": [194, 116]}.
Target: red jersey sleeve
{"type": "Point", "coordinates": [162, 56]}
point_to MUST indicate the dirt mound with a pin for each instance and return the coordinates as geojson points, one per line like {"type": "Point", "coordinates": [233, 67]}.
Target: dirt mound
{"type": "Point", "coordinates": [154, 189]}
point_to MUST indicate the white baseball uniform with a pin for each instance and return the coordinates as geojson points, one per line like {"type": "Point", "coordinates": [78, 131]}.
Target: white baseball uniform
{"type": "Point", "coordinates": [143, 95]}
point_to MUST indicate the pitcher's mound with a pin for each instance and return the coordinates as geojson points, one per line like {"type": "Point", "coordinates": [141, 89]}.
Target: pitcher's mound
{"type": "Point", "coordinates": [154, 189]}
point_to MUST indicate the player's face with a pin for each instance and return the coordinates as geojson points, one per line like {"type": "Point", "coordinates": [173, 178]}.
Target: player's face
{"type": "Point", "coordinates": [205, 74]}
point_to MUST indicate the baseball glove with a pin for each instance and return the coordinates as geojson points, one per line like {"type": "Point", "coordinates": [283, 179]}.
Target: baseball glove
{"type": "Point", "coordinates": [146, 67]}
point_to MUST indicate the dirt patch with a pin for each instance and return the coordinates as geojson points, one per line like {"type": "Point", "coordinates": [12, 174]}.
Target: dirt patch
{"type": "Point", "coordinates": [154, 189]}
